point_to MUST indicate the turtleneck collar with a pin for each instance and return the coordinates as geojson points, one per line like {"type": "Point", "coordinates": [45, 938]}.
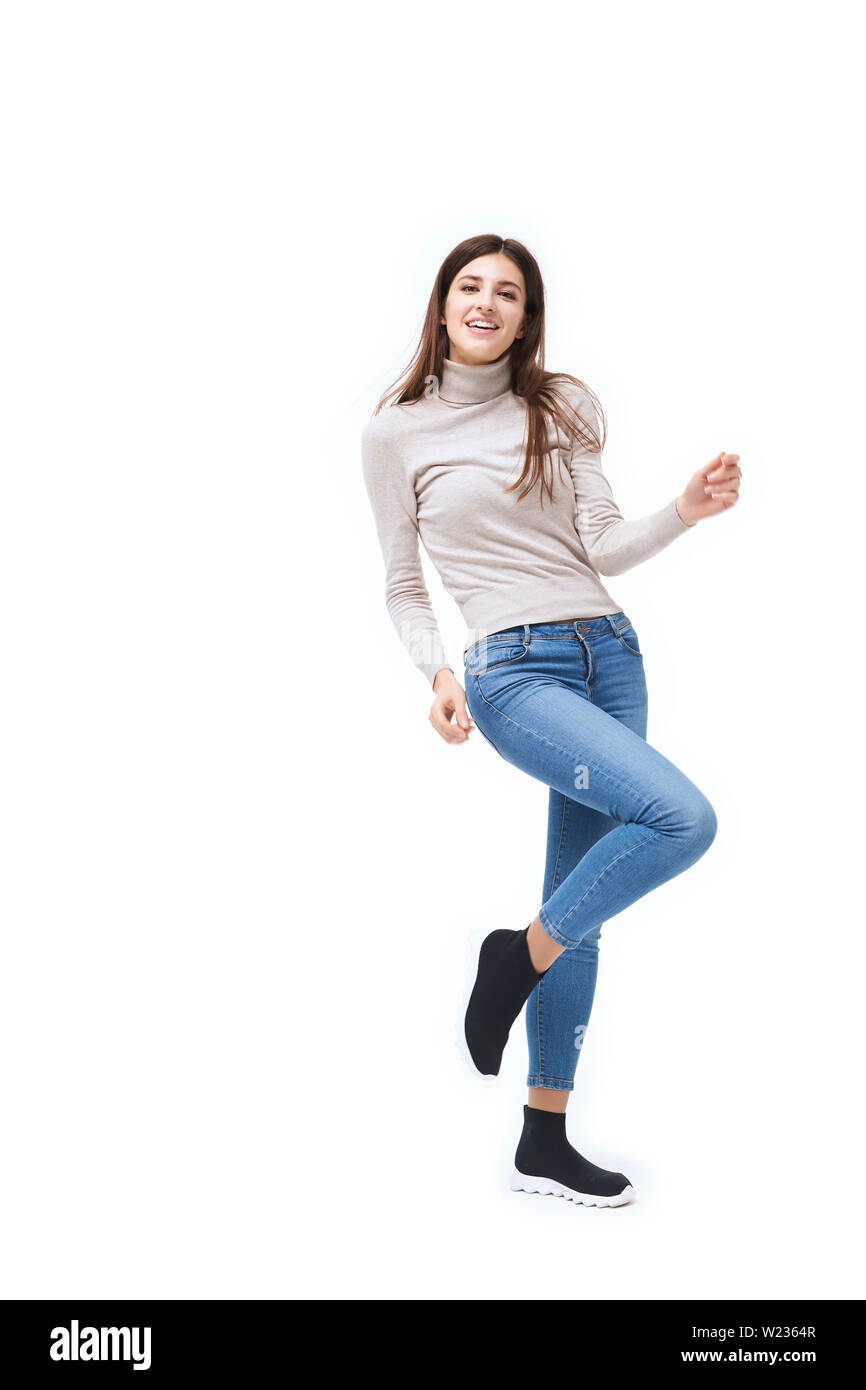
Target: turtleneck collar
{"type": "Point", "coordinates": [471, 383]}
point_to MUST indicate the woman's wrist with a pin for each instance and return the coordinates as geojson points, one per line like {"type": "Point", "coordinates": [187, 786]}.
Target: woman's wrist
{"type": "Point", "coordinates": [440, 672]}
{"type": "Point", "coordinates": [683, 511]}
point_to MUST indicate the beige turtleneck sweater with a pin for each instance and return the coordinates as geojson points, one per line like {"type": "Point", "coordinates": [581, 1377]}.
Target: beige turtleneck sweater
{"type": "Point", "coordinates": [436, 468]}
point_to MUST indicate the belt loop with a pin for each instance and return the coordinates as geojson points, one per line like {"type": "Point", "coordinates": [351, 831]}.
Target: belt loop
{"type": "Point", "coordinates": [526, 638]}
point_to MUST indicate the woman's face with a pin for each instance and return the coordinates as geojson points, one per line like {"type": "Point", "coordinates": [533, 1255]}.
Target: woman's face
{"type": "Point", "coordinates": [489, 290]}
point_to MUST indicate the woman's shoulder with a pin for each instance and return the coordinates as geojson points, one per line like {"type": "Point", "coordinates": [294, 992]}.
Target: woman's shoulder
{"type": "Point", "coordinates": [575, 391]}
{"type": "Point", "coordinates": [388, 425]}
{"type": "Point", "coordinates": [580, 399]}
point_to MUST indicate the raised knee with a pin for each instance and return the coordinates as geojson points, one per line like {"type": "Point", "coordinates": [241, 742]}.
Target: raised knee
{"type": "Point", "coordinates": [701, 824]}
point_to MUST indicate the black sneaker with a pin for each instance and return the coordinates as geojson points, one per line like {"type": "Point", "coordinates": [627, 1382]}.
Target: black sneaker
{"type": "Point", "coordinates": [498, 986]}
{"type": "Point", "coordinates": [545, 1162]}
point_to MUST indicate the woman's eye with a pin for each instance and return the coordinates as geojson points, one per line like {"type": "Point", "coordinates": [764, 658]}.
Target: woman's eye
{"type": "Point", "coordinates": [470, 289]}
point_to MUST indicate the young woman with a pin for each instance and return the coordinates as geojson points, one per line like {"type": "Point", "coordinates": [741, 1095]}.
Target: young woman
{"type": "Point", "coordinates": [496, 464]}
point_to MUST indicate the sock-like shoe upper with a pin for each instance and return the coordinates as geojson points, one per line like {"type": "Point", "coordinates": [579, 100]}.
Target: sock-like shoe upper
{"type": "Point", "coordinates": [544, 1152]}
{"type": "Point", "coordinates": [506, 977]}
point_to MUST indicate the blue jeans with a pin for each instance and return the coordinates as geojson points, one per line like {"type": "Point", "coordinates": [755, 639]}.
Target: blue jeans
{"type": "Point", "coordinates": [566, 703]}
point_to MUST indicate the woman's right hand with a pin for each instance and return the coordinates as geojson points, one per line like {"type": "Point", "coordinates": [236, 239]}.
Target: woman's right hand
{"type": "Point", "coordinates": [450, 701]}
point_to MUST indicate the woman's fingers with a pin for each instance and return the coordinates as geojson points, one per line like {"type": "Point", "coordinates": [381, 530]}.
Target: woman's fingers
{"type": "Point", "coordinates": [718, 482]}
{"type": "Point", "coordinates": [440, 723]}
{"type": "Point", "coordinates": [463, 715]}
{"type": "Point", "coordinates": [723, 479]}
{"type": "Point", "coordinates": [440, 718]}
{"type": "Point", "coordinates": [724, 465]}
{"type": "Point", "coordinates": [715, 466]}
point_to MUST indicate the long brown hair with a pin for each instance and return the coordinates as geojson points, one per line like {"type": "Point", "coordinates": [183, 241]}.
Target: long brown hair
{"type": "Point", "coordinates": [546, 404]}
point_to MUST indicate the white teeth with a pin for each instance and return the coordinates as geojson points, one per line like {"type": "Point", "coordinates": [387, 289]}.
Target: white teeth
{"type": "Point", "coordinates": [480, 323]}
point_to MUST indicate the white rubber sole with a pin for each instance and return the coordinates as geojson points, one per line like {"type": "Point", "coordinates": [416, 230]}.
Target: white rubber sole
{"type": "Point", "coordinates": [473, 950]}
{"type": "Point", "coordinates": [520, 1182]}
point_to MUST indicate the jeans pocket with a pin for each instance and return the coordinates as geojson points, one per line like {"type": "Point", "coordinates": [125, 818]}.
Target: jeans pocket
{"type": "Point", "coordinates": [491, 656]}
{"type": "Point", "coordinates": [628, 638]}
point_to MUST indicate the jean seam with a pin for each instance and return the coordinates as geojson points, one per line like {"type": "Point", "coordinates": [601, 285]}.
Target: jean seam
{"type": "Point", "coordinates": [559, 846]}
{"type": "Point", "coordinates": [552, 931]}
{"type": "Point", "coordinates": [596, 880]}
{"type": "Point", "coordinates": [625, 644]}
{"type": "Point", "coordinates": [552, 890]}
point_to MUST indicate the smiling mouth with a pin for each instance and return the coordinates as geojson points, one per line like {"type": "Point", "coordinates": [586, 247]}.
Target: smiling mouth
{"type": "Point", "coordinates": [482, 327]}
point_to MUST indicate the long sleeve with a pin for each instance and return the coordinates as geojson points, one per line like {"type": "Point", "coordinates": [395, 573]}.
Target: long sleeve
{"type": "Point", "coordinates": [614, 545]}
{"type": "Point", "coordinates": [392, 498]}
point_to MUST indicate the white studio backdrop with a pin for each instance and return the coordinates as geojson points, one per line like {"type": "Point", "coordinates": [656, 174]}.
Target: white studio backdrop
{"type": "Point", "coordinates": [240, 866]}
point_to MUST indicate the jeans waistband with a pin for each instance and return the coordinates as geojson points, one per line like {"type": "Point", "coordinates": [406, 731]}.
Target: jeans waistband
{"type": "Point", "coordinates": [568, 627]}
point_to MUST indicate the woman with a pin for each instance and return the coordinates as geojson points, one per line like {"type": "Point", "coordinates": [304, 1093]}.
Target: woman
{"type": "Point", "coordinates": [553, 669]}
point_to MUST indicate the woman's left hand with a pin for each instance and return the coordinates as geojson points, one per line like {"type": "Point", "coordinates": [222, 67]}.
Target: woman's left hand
{"type": "Point", "coordinates": [713, 489]}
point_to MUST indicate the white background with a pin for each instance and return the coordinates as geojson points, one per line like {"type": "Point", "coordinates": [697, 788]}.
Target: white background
{"type": "Point", "coordinates": [239, 866]}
